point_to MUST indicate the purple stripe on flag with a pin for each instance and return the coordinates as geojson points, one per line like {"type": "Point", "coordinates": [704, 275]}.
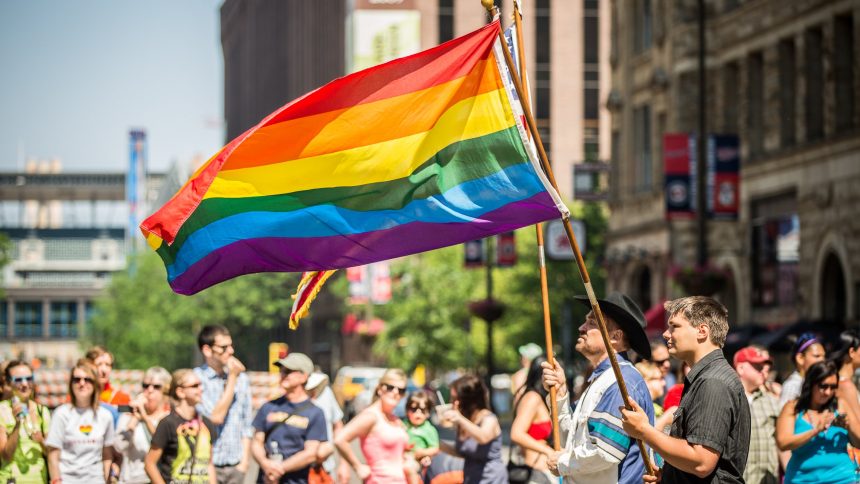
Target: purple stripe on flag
{"type": "Point", "coordinates": [284, 254]}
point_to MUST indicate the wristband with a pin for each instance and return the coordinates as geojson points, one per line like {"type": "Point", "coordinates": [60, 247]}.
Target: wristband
{"type": "Point", "coordinates": [57, 480]}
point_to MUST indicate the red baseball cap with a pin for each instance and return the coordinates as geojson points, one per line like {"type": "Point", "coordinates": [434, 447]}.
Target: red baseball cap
{"type": "Point", "coordinates": [751, 354]}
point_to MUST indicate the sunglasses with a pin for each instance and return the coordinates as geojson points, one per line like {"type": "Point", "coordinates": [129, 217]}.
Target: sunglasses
{"type": "Point", "coordinates": [391, 388]}
{"type": "Point", "coordinates": [827, 386]}
{"type": "Point", "coordinates": [193, 385]}
{"type": "Point", "coordinates": [21, 379]}
{"type": "Point", "coordinates": [419, 409]}
{"type": "Point", "coordinates": [156, 386]}
{"type": "Point", "coordinates": [82, 379]}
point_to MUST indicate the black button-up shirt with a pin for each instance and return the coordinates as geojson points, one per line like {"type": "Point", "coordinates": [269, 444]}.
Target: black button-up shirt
{"type": "Point", "coordinates": [714, 412]}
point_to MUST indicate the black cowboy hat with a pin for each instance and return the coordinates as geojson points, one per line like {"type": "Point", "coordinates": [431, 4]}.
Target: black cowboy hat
{"type": "Point", "coordinates": [628, 316]}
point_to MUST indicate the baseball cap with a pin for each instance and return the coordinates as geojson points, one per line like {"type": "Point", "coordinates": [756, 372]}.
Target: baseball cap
{"type": "Point", "coordinates": [297, 361]}
{"type": "Point", "coordinates": [530, 351]}
{"type": "Point", "coordinates": [751, 354]}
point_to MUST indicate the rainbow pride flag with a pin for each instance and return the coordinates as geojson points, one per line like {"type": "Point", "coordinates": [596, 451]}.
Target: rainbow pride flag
{"type": "Point", "coordinates": [412, 155]}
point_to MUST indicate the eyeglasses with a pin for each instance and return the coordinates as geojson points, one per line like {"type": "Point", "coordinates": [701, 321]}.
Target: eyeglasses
{"type": "Point", "coordinates": [82, 379]}
{"type": "Point", "coordinates": [418, 409]}
{"type": "Point", "coordinates": [193, 385]}
{"type": "Point", "coordinates": [223, 348]}
{"type": "Point", "coordinates": [827, 386]}
{"type": "Point", "coordinates": [21, 379]}
{"type": "Point", "coordinates": [157, 386]}
{"type": "Point", "coordinates": [390, 388]}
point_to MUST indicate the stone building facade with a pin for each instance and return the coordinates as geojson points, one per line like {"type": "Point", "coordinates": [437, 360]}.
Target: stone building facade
{"type": "Point", "coordinates": [785, 77]}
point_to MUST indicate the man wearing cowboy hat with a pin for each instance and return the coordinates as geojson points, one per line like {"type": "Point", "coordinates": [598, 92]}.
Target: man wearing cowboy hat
{"type": "Point", "coordinates": [597, 449]}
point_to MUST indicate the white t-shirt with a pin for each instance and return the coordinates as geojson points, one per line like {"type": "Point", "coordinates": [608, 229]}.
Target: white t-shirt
{"type": "Point", "coordinates": [80, 434]}
{"type": "Point", "coordinates": [328, 404]}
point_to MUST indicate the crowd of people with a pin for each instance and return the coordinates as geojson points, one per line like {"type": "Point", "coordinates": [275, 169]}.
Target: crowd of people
{"type": "Point", "coordinates": [714, 421]}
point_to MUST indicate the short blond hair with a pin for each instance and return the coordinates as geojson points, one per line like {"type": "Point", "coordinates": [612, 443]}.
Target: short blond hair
{"type": "Point", "coordinates": [649, 370]}
{"type": "Point", "coordinates": [699, 310]}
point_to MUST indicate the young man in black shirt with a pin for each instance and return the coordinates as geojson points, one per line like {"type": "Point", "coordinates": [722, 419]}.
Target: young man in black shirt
{"type": "Point", "coordinates": [709, 440]}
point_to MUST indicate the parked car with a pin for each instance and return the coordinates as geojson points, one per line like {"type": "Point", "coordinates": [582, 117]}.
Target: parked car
{"type": "Point", "coordinates": [352, 380]}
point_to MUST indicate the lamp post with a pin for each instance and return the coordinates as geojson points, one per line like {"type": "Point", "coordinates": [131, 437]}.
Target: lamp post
{"type": "Point", "coordinates": [488, 309]}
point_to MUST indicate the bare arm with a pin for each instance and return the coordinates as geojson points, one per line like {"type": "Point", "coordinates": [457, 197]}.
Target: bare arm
{"type": "Point", "coordinates": [54, 462]}
{"type": "Point", "coordinates": [786, 439]}
{"type": "Point", "coordinates": [695, 459]}
{"type": "Point", "coordinates": [107, 459]}
{"type": "Point", "coordinates": [484, 433]}
{"type": "Point", "coordinates": [359, 426]}
{"type": "Point", "coordinates": [526, 411]}
{"type": "Point", "coordinates": [850, 405]}
{"type": "Point", "coordinates": [9, 443]}
{"type": "Point", "coordinates": [150, 465]}
{"type": "Point", "coordinates": [302, 458]}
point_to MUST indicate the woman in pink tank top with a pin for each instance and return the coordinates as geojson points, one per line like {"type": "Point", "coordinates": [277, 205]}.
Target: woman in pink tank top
{"type": "Point", "coordinates": [382, 435]}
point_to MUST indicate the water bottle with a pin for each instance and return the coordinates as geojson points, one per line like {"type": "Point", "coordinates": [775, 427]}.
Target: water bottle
{"type": "Point", "coordinates": [25, 411]}
{"type": "Point", "coordinates": [275, 452]}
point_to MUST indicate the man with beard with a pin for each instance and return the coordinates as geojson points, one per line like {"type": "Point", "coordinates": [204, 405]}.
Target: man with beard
{"type": "Point", "coordinates": [597, 450]}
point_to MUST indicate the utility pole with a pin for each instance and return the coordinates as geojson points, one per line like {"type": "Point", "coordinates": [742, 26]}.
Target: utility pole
{"type": "Point", "coordinates": [701, 161]}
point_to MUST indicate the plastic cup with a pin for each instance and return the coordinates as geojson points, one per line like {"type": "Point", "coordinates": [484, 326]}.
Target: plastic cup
{"type": "Point", "coordinates": [440, 411]}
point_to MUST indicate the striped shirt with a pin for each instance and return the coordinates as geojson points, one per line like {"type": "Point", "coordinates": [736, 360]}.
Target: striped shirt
{"type": "Point", "coordinates": [605, 451]}
{"type": "Point", "coordinates": [763, 460]}
{"type": "Point", "coordinates": [714, 413]}
{"type": "Point", "coordinates": [227, 450]}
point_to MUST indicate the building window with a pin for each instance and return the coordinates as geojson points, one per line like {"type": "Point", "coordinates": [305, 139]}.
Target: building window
{"type": "Point", "coordinates": [775, 251]}
{"type": "Point", "coordinates": [614, 169]}
{"type": "Point", "coordinates": [731, 78]}
{"type": "Point", "coordinates": [68, 249]}
{"type": "Point", "coordinates": [542, 49]}
{"type": "Point", "coordinates": [591, 38]}
{"type": "Point", "coordinates": [641, 26]}
{"type": "Point", "coordinates": [4, 319]}
{"type": "Point", "coordinates": [64, 319]}
{"type": "Point", "coordinates": [843, 66]}
{"type": "Point", "coordinates": [755, 105]}
{"type": "Point", "coordinates": [814, 85]}
{"type": "Point", "coordinates": [787, 92]}
{"type": "Point", "coordinates": [642, 147]}
{"type": "Point", "coordinates": [28, 319]}
{"type": "Point", "coordinates": [592, 102]}
{"type": "Point", "coordinates": [446, 20]}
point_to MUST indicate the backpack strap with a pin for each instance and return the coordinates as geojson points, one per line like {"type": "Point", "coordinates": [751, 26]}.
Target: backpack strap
{"type": "Point", "coordinates": [297, 411]}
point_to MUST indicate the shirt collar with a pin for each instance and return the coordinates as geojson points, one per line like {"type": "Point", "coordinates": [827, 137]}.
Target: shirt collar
{"type": "Point", "coordinates": [208, 371]}
{"type": "Point", "coordinates": [705, 362]}
{"type": "Point", "coordinates": [604, 365]}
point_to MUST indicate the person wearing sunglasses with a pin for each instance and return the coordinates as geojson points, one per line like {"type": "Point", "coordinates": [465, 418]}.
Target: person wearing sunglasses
{"type": "Point", "coordinates": [81, 436]}
{"type": "Point", "coordinates": [288, 430]}
{"type": "Point", "coordinates": [817, 428]}
{"type": "Point", "coordinates": [752, 364]}
{"type": "Point", "coordinates": [382, 435]}
{"type": "Point", "coordinates": [423, 436]}
{"type": "Point", "coordinates": [226, 401]}
{"type": "Point", "coordinates": [23, 425]}
{"type": "Point", "coordinates": [135, 428]}
{"type": "Point", "coordinates": [181, 448]}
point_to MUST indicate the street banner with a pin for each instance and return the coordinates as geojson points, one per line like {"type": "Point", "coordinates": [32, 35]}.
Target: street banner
{"type": "Point", "coordinates": [473, 253]}
{"type": "Point", "coordinates": [506, 250]}
{"type": "Point", "coordinates": [680, 153]}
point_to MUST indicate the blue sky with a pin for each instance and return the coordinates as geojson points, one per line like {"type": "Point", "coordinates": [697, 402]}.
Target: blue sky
{"type": "Point", "coordinates": [76, 75]}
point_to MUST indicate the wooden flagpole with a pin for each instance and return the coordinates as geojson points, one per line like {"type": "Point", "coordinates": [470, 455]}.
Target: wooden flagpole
{"type": "Point", "coordinates": [544, 287]}
{"type": "Point", "coordinates": [583, 271]}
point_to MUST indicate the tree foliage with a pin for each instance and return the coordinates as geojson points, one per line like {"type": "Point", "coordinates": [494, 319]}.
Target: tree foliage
{"type": "Point", "coordinates": [145, 323]}
{"type": "Point", "coordinates": [427, 320]}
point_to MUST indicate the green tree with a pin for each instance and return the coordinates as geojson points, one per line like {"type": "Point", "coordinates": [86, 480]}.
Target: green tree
{"type": "Point", "coordinates": [145, 323]}
{"type": "Point", "coordinates": [427, 320]}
